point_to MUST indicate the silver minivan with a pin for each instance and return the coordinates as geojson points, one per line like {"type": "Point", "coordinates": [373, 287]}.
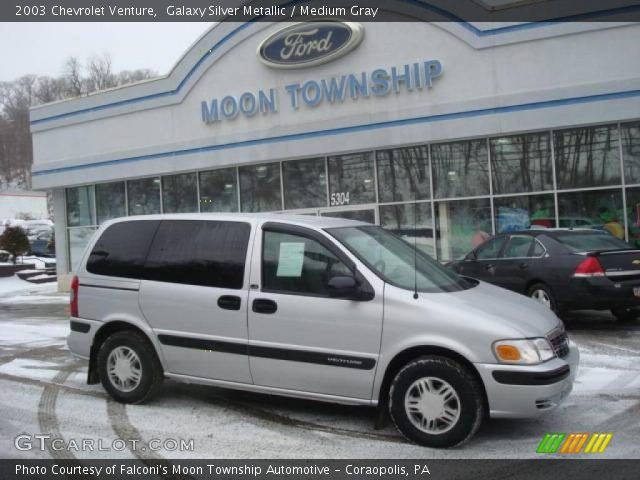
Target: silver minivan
{"type": "Point", "coordinates": [312, 307]}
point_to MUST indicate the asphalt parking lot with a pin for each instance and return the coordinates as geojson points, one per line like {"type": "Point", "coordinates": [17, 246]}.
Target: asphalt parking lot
{"type": "Point", "coordinates": [44, 392]}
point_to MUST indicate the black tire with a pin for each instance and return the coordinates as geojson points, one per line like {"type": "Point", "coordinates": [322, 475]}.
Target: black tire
{"type": "Point", "coordinates": [470, 401]}
{"type": "Point", "coordinates": [543, 289]}
{"type": "Point", "coordinates": [626, 315]}
{"type": "Point", "coordinates": [151, 370]}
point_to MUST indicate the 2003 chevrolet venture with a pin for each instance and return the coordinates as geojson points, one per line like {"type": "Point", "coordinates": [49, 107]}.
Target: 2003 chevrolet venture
{"type": "Point", "coordinates": [312, 307]}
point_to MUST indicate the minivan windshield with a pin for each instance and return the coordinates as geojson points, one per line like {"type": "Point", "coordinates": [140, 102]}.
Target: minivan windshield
{"type": "Point", "coordinates": [393, 260]}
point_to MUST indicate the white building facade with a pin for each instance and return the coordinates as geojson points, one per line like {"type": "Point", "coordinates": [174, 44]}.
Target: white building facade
{"type": "Point", "coordinates": [444, 132]}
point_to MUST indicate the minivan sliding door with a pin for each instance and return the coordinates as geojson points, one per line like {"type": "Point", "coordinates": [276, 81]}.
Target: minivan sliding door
{"type": "Point", "coordinates": [194, 296]}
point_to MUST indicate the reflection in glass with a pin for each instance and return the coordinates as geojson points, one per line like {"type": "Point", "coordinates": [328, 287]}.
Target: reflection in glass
{"type": "Point", "coordinates": [460, 169]}
{"type": "Point", "coordinates": [600, 209]}
{"type": "Point", "coordinates": [403, 174]}
{"type": "Point", "coordinates": [419, 230]}
{"type": "Point", "coordinates": [78, 240]}
{"type": "Point", "coordinates": [305, 185]}
{"type": "Point", "coordinates": [630, 134]}
{"type": "Point", "coordinates": [523, 212]}
{"type": "Point", "coordinates": [521, 163]}
{"type": "Point", "coordinates": [587, 157]}
{"type": "Point", "coordinates": [110, 201]}
{"type": "Point", "coordinates": [143, 196]}
{"type": "Point", "coordinates": [260, 188]}
{"type": "Point", "coordinates": [351, 179]}
{"type": "Point", "coordinates": [80, 206]}
{"type": "Point", "coordinates": [633, 215]}
{"type": "Point", "coordinates": [462, 225]}
{"type": "Point", "coordinates": [366, 215]}
{"type": "Point", "coordinates": [219, 191]}
{"type": "Point", "coordinates": [179, 193]}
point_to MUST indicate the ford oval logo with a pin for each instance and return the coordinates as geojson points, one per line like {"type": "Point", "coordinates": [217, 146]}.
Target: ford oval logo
{"type": "Point", "coordinates": [310, 43]}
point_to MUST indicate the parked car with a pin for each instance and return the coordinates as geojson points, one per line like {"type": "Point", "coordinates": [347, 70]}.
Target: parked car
{"type": "Point", "coordinates": [41, 244]}
{"type": "Point", "coordinates": [295, 305]}
{"type": "Point", "coordinates": [563, 269]}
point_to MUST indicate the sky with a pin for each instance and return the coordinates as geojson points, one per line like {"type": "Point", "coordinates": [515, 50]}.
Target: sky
{"type": "Point", "coordinates": [42, 48]}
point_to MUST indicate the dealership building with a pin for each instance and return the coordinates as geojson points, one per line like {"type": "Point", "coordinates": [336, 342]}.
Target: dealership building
{"type": "Point", "coordinates": [444, 132]}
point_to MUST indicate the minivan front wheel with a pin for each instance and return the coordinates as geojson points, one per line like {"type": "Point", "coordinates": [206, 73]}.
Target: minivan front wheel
{"type": "Point", "coordinates": [436, 402]}
{"type": "Point", "coordinates": [129, 368]}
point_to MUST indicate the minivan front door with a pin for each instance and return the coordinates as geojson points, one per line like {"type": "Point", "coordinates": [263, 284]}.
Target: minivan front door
{"type": "Point", "coordinates": [195, 297]}
{"type": "Point", "coordinates": [300, 338]}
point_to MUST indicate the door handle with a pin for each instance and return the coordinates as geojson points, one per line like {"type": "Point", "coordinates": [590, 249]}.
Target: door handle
{"type": "Point", "coordinates": [263, 305]}
{"type": "Point", "coordinates": [489, 266]}
{"type": "Point", "coordinates": [229, 302]}
{"type": "Point", "coordinates": [523, 266]}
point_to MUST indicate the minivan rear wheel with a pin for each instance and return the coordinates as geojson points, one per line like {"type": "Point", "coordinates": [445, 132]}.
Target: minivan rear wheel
{"type": "Point", "coordinates": [436, 402]}
{"type": "Point", "coordinates": [129, 368]}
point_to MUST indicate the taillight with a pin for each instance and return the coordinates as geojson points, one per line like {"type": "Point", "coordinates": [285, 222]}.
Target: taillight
{"type": "Point", "coordinates": [73, 297]}
{"type": "Point", "coordinates": [589, 267]}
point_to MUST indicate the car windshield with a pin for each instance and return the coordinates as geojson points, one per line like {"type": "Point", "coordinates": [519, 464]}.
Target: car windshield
{"type": "Point", "coordinates": [393, 260]}
{"type": "Point", "coordinates": [585, 242]}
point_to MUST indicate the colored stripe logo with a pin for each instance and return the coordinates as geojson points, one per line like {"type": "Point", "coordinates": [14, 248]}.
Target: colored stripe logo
{"type": "Point", "coordinates": [573, 443]}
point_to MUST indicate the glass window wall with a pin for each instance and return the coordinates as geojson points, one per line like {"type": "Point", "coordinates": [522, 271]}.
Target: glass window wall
{"type": "Point", "coordinates": [80, 210]}
{"type": "Point", "coordinates": [523, 212]}
{"type": "Point", "coordinates": [110, 201]}
{"type": "Point", "coordinates": [599, 209]}
{"type": "Point", "coordinates": [260, 188]}
{"type": "Point", "coordinates": [144, 196]}
{"type": "Point", "coordinates": [462, 225]}
{"type": "Point", "coordinates": [587, 157]}
{"type": "Point", "coordinates": [351, 179]}
{"type": "Point", "coordinates": [630, 134]}
{"type": "Point", "coordinates": [305, 183]}
{"type": "Point", "coordinates": [179, 193]}
{"type": "Point", "coordinates": [460, 169]}
{"type": "Point", "coordinates": [219, 190]}
{"type": "Point", "coordinates": [403, 174]}
{"type": "Point", "coordinates": [521, 163]}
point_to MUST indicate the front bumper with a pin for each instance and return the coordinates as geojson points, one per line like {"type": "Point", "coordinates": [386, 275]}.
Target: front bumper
{"type": "Point", "coordinates": [518, 391]}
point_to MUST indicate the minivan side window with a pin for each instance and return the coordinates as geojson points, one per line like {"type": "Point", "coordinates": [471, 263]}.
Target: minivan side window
{"type": "Point", "coordinates": [199, 252]}
{"type": "Point", "coordinates": [122, 249]}
{"type": "Point", "coordinates": [298, 265]}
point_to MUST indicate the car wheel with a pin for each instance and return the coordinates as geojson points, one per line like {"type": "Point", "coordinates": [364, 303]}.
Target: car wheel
{"type": "Point", "coordinates": [129, 368]}
{"type": "Point", "coordinates": [542, 293]}
{"type": "Point", "coordinates": [626, 315]}
{"type": "Point", "coordinates": [436, 402]}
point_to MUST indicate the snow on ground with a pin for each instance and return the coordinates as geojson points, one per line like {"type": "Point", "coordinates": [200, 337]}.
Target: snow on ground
{"type": "Point", "coordinates": [33, 332]}
{"type": "Point", "coordinates": [29, 368]}
{"type": "Point", "coordinates": [13, 285]}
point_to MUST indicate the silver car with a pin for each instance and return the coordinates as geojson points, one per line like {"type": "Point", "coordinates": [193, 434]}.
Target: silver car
{"type": "Point", "coordinates": [312, 307]}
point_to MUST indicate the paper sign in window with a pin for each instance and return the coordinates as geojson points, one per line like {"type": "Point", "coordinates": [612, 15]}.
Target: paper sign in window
{"type": "Point", "coordinates": [291, 259]}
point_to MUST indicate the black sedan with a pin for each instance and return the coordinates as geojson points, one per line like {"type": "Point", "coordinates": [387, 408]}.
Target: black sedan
{"type": "Point", "coordinates": [562, 268]}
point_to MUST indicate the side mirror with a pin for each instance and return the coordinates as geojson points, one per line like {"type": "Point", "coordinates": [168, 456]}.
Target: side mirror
{"type": "Point", "coordinates": [350, 288]}
{"type": "Point", "coordinates": [471, 257]}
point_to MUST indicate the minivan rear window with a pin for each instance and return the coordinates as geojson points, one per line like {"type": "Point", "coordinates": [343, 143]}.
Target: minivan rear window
{"type": "Point", "coordinates": [122, 249]}
{"type": "Point", "coordinates": [586, 242]}
{"type": "Point", "coordinates": [199, 252]}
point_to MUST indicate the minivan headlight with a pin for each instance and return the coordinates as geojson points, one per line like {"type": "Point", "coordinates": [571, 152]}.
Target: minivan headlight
{"type": "Point", "coordinates": [523, 352]}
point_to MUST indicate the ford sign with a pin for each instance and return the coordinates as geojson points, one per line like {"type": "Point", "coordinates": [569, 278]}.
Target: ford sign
{"type": "Point", "coordinates": [310, 43]}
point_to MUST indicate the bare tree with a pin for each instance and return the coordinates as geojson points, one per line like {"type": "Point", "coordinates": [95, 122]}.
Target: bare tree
{"type": "Point", "coordinates": [100, 75]}
{"type": "Point", "coordinates": [73, 77]}
{"type": "Point", "coordinates": [16, 151]}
